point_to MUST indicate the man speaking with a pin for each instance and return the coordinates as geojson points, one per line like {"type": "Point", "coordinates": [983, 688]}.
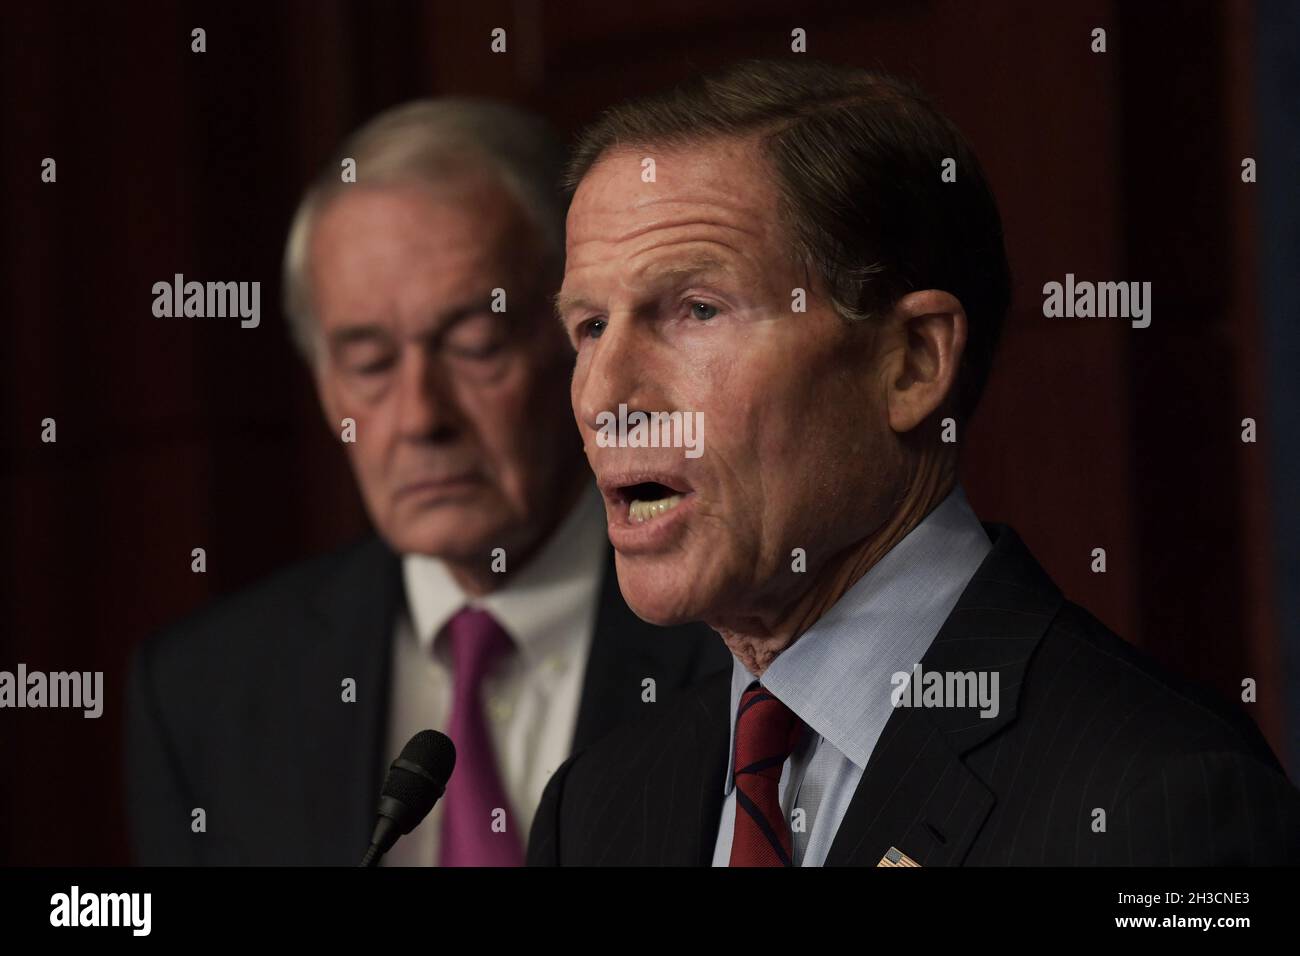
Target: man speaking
{"type": "Point", "coordinates": [774, 248]}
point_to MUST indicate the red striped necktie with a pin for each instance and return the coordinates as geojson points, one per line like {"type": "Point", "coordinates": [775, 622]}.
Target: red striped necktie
{"type": "Point", "coordinates": [766, 734]}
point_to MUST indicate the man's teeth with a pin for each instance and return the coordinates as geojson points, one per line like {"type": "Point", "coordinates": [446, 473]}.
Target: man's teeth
{"type": "Point", "coordinates": [642, 511]}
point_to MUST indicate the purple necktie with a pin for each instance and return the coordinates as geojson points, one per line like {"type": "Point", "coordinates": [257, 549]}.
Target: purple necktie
{"type": "Point", "coordinates": [475, 792]}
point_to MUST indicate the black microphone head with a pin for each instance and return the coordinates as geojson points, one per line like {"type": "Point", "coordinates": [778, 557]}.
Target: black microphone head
{"type": "Point", "coordinates": [433, 752]}
{"type": "Point", "coordinates": [417, 778]}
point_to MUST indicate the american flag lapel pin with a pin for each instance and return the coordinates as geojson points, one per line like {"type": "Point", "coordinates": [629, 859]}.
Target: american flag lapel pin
{"type": "Point", "coordinates": [896, 857]}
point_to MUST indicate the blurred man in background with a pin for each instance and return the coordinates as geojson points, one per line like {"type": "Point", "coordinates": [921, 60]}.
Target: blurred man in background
{"type": "Point", "coordinates": [418, 279]}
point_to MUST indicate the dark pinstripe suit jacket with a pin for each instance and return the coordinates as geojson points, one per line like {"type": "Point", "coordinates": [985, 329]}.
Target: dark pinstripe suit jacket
{"type": "Point", "coordinates": [237, 710]}
{"type": "Point", "coordinates": [1090, 732]}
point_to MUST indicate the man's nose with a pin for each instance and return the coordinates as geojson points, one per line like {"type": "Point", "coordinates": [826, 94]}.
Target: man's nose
{"type": "Point", "coordinates": [426, 404]}
{"type": "Point", "coordinates": [620, 371]}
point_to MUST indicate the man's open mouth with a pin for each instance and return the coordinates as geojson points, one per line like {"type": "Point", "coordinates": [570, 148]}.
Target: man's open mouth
{"type": "Point", "coordinates": [647, 498]}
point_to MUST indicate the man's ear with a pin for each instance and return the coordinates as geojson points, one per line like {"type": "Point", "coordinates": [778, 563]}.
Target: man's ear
{"type": "Point", "coordinates": [929, 328]}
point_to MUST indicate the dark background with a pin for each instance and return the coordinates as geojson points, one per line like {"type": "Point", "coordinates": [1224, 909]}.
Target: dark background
{"type": "Point", "coordinates": [183, 433]}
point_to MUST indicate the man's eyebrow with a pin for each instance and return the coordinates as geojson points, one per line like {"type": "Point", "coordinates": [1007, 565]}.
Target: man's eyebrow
{"type": "Point", "coordinates": [567, 303]}
{"type": "Point", "coordinates": [366, 332]}
{"type": "Point", "coordinates": [696, 265]}
{"type": "Point", "coordinates": [351, 334]}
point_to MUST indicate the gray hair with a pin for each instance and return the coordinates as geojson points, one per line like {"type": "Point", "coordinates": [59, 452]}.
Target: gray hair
{"type": "Point", "coordinates": [433, 142]}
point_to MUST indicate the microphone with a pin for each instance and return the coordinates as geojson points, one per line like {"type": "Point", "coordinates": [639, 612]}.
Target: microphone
{"type": "Point", "coordinates": [415, 781]}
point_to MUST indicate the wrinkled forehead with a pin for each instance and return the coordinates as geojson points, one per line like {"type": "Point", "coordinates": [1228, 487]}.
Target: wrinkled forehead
{"type": "Point", "coordinates": [631, 188]}
{"type": "Point", "coordinates": [455, 211]}
{"type": "Point", "coordinates": [716, 197]}
{"type": "Point", "coordinates": [406, 230]}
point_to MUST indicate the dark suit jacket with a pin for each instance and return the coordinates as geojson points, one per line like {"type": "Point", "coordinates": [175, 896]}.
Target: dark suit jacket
{"type": "Point", "coordinates": [1087, 722]}
{"type": "Point", "coordinates": [239, 710]}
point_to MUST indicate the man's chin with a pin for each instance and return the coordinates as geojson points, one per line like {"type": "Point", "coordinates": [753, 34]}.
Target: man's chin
{"type": "Point", "coordinates": [662, 594]}
{"type": "Point", "coordinates": [458, 535]}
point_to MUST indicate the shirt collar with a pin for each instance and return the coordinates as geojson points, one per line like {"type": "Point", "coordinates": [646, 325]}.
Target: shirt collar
{"type": "Point", "coordinates": [837, 676]}
{"type": "Point", "coordinates": [540, 602]}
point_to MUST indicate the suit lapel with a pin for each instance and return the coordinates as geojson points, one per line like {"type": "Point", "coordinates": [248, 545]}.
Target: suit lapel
{"type": "Point", "coordinates": [683, 809]}
{"type": "Point", "coordinates": [916, 794]}
{"type": "Point", "coordinates": [353, 615]}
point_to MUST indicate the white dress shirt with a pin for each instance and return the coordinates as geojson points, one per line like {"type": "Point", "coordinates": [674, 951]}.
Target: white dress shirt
{"type": "Point", "coordinates": [549, 609]}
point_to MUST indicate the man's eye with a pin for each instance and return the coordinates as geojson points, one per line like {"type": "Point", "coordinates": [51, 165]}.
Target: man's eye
{"type": "Point", "coordinates": [373, 368]}
{"type": "Point", "coordinates": [478, 353]}
{"type": "Point", "coordinates": [592, 328]}
{"type": "Point", "coordinates": [476, 337]}
{"type": "Point", "coordinates": [703, 311]}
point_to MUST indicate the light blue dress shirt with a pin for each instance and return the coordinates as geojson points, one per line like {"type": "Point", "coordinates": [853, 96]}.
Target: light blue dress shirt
{"type": "Point", "coordinates": [837, 676]}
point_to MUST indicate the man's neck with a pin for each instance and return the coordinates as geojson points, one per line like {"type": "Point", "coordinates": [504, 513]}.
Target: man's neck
{"type": "Point", "coordinates": [756, 642]}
